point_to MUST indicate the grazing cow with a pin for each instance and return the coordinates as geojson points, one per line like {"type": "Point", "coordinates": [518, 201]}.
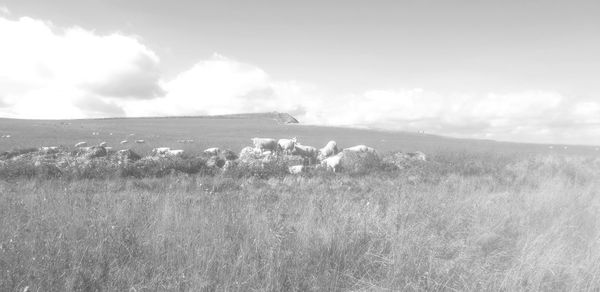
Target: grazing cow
{"type": "Point", "coordinates": [306, 152]}
{"type": "Point", "coordinates": [81, 144]}
{"type": "Point", "coordinates": [103, 144]}
{"type": "Point", "coordinates": [264, 144]}
{"type": "Point", "coordinates": [296, 169]}
{"type": "Point", "coordinates": [329, 150]}
{"type": "Point", "coordinates": [124, 142]}
{"type": "Point", "coordinates": [360, 148]}
{"type": "Point", "coordinates": [287, 145]}
{"type": "Point", "coordinates": [214, 151]}
{"type": "Point", "coordinates": [333, 163]}
{"type": "Point", "coordinates": [140, 141]}
{"type": "Point", "coordinates": [108, 148]}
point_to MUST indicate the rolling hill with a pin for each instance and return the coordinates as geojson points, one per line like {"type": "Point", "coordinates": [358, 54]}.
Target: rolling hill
{"type": "Point", "coordinates": [234, 132]}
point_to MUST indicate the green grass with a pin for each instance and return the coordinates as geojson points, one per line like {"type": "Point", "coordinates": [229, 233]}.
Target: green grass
{"type": "Point", "coordinates": [463, 221]}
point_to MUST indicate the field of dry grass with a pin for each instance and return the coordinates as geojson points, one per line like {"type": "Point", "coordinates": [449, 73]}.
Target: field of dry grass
{"type": "Point", "coordinates": [462, 221]}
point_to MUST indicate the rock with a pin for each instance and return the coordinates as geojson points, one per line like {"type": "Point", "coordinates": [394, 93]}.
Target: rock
{"type": "Point", "coordinates": [127, 155]}
{"type": "Point", "coordinates": [92, 152]}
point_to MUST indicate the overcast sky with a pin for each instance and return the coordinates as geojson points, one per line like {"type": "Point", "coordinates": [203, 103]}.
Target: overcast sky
{"type": "Point", "coordinates": [506, 70]}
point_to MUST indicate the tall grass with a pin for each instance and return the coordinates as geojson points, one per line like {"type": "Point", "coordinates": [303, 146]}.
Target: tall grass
{"type": "Point", "coordinates": [491, 223]}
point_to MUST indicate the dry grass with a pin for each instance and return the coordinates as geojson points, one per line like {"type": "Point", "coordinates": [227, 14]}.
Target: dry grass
{"type": "Point", "coordinates": [459, 222]}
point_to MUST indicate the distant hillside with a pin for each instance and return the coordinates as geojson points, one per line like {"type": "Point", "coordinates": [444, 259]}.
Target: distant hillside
{"type": "Point", "coordinates": [283, 118]}
{"type": "Point", "coordinates": [235, 131]}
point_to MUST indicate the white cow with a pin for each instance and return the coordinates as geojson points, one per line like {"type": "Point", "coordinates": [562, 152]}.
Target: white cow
{"type": "Point", "coordinates": [264, 144]}
{"type": "Point", "coordinates": [333, 163]}
{"type": "Point", "coordinates": [140, 141]}
{"type": "Point", "coordinates": [287, 145]}
{"type": "Point", "coordinates": [103, 144]}
{"type": "Point", "coordinates": [329, 150]}
{"type": "Point", "coordinates": [360, 148]}
{"type": "Point", "coordinates": [124, 142]}
{"type": "Point", "coordinates": [81, 144]}
{"type": "Point", "coordinates": [306, 152]}
{"type": "Point", "coordinates": [296, 169]}
{"type": "Point", "coordinates": [214, 151]}
{"type": "Point", "coordinates": [108, 148]}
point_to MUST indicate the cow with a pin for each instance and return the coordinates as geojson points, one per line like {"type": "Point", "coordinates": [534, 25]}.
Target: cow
{"type": "Point", "coordinates": [306, 152]}
{"type": "Point", "coordinates": [81, 144]}
{"type": "Point", "coordinates": [214, 151]}
{"type": "Point", "coordinates": [296, 169]}
{"type": "Point", "coordinates": [103, 144]}
{"type": "Point", "coordinates": [108, 148]}
{"type": "Point", "coordinates": [286, 145]}
{"type": "Point", "coordinates": [333, 163]}
{"type": "Point", "coordinates": [264, 144]}
{"type": "Point", "coordinates": [140, 141]}
{"type": "Point", "coordinates": [329, 150]}
{"type": "Point", "coordinates": [360, 148]}
{"type": "Point", "coordinates": [124, 142]}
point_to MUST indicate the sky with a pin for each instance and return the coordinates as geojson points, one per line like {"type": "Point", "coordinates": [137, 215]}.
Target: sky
{"type": "Point", "coordinates": [525, 71]}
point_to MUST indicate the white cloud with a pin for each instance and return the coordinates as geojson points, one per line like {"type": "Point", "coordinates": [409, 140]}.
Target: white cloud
{"type": "Point", "coordinates": [48, 72]}
{"type": "Point", "coordinates": [221, 85]}
{"type": "Point", "coordinates": [4, 10]}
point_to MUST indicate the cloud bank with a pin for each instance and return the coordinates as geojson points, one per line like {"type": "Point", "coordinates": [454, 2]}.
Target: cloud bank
{"type": "Point", "coordinates": [50, 72]}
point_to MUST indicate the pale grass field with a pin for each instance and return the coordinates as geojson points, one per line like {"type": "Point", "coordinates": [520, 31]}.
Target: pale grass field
{"type": "Point", "coordinates": [459, 222]}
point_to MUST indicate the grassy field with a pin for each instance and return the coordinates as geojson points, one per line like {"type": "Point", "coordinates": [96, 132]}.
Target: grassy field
{"type": "Point", "coordinates": [469, 219]}
{"type": "Point", "coordinates": [235, 132]}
